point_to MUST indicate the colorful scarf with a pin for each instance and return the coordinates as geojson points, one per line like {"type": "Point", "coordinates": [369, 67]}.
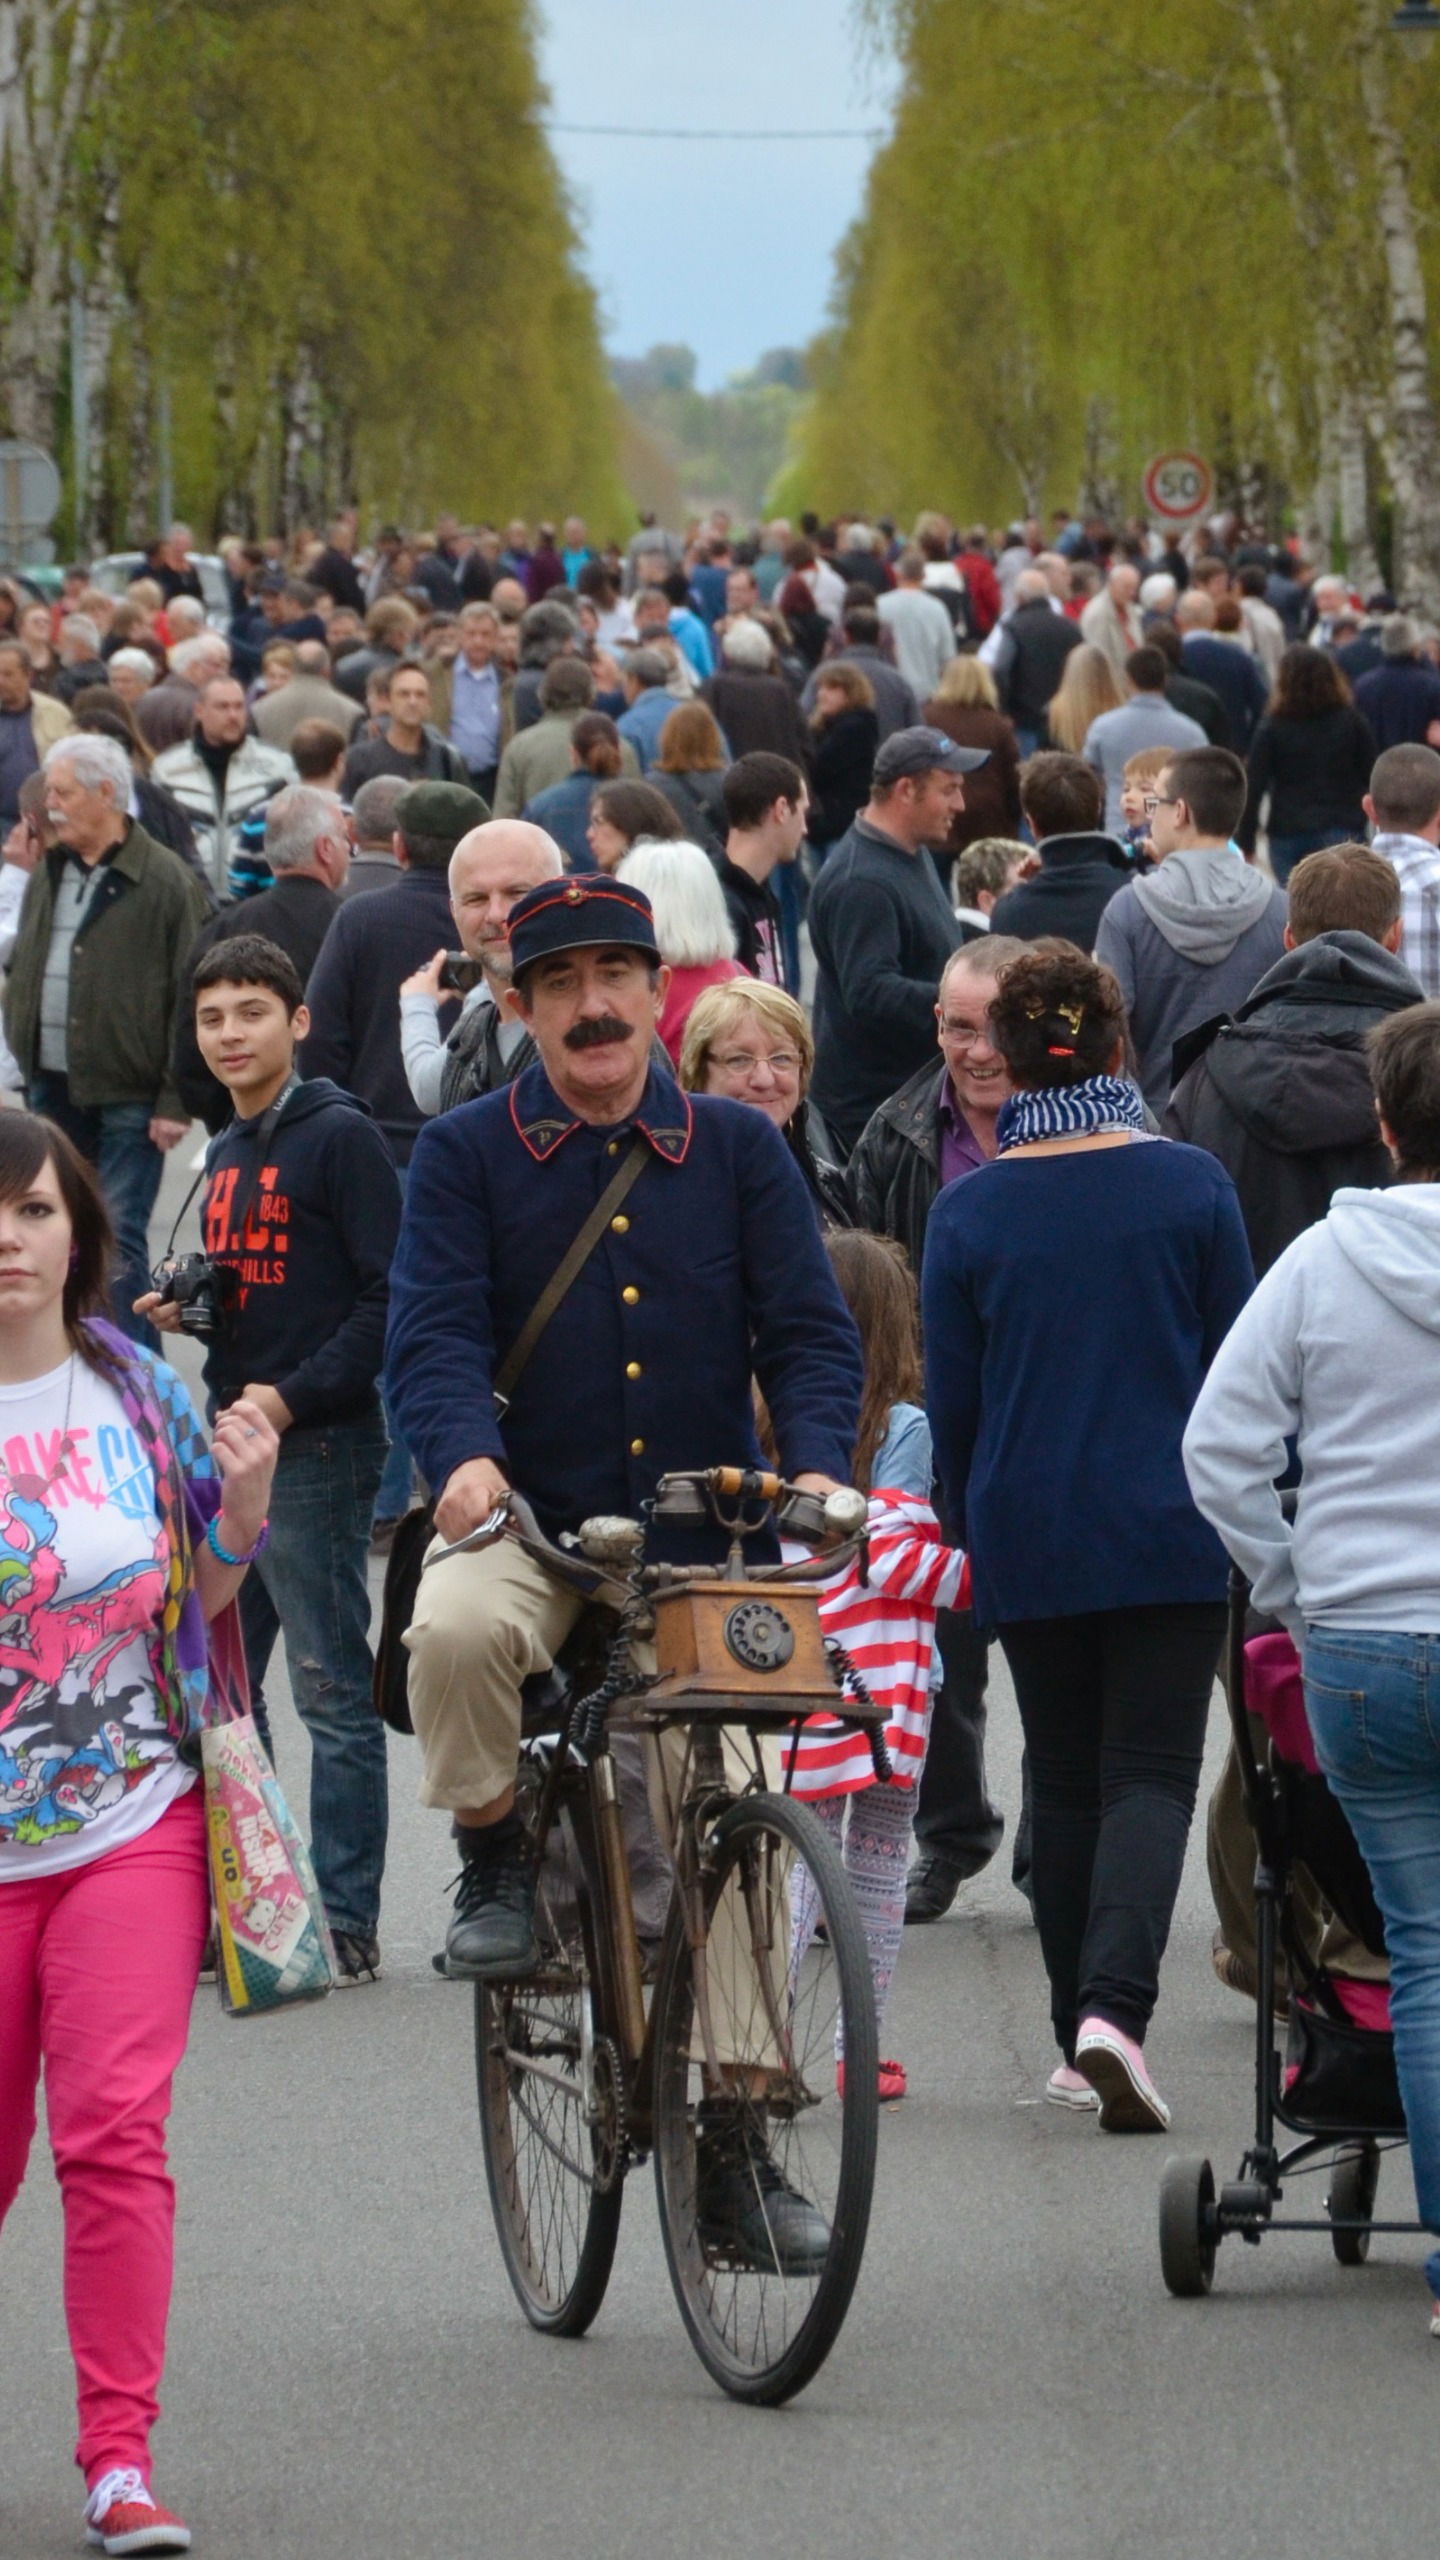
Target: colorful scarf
{"type": "Point", "coordinates": [198, 1667]}
{"type": "Point", "coordinates": [1068, 1111]}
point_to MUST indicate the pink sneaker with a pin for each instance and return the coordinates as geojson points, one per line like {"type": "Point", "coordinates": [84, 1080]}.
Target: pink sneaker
{"type": "Point", "coordinates": [122, 2517]}
{"type": "Point", "coordinates": [1067, 2088]}
{"type": "Point", "coordinates": [1115, 2068]}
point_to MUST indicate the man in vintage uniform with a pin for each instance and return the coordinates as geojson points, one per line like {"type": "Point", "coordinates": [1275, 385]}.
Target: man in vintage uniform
{"type": "Point", "coordinates": [710, 1275]}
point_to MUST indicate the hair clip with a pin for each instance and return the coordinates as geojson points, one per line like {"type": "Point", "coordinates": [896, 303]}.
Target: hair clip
{"type": "Point", "coordinates": [1071, 1014]}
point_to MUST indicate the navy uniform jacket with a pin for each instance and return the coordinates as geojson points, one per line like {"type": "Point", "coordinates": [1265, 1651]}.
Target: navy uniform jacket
{"type": "Point", "coordinates": [713, 1274]}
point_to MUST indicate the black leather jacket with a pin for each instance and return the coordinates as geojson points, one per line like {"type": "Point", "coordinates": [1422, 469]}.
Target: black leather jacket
{"type": "Point", "coordinates": [894, 1173]}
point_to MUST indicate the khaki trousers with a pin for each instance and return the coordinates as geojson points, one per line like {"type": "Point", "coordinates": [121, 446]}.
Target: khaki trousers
{"type": "Point", "coordinates": [483, 1623]}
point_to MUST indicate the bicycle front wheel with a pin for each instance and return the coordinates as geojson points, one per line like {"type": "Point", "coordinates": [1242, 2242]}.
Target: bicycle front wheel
{"type": "Point", "coordinates": [764, 2149]}
{"type": "Point", "coordinates": [552, 2113]}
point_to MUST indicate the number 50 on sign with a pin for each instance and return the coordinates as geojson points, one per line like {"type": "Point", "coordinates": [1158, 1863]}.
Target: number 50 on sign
{"type": "Point", "coordinates": [1177, 486]}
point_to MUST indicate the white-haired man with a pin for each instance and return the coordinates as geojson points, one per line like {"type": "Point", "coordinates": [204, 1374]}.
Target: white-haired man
{"type": "Point", "coordinates": [108, 919]}
{"type": "Point", "coordinates": [489, 869]}
{"type": "Point", "coordinates": [78, 649]}
{"type": "Point", "coordinates": [755, 707]}
{"type": "Point", "coordinates": [1112, 620]}
{"type": "Point", "coordinates": [168, 715]}
{"type": "Point", "coordinates": [221, 774]}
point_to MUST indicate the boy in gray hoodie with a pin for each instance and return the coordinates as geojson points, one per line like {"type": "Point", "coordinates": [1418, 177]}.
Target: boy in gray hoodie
{"type": "Point", "coordinates": [1340, 1348]}
{"type": "Point", "coordinates": [1194, 937]}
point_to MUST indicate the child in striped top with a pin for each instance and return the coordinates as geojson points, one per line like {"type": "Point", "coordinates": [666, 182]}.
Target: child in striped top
{"type": "Point", "coordinates": [886, 1625]}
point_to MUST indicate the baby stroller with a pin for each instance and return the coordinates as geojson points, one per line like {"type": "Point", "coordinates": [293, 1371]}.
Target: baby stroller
{"type": "Point", "coordinates": [1335, 2087]}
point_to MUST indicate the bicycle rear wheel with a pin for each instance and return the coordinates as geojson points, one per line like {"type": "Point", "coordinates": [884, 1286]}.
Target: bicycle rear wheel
{"type": "Point", "coordinates": [552, 2111]}
{"type": "Point", "coordinates": [761, 2327]}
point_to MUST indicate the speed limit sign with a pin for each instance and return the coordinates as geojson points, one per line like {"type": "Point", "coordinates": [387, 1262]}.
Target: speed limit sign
{"type": "Point", "coordinates": [1177, 486]}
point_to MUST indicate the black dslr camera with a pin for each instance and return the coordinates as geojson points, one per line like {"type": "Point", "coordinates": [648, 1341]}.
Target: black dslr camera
{"type": "Point", "coordinates": [205, 1292]}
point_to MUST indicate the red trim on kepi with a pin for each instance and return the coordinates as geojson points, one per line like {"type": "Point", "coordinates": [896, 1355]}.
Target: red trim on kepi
{"type": "Point", "coordinates": [579, 913]}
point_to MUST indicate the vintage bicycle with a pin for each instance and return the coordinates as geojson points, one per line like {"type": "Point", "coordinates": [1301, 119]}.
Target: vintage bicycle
{"type": "Point", "coordinates": [751, 2054]}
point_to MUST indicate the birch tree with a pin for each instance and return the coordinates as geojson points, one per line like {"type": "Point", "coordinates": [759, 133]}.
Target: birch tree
{"type": "Point", "coordinates": [56, 57]}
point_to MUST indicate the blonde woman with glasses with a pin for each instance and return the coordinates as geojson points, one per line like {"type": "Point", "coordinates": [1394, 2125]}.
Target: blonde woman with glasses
{"type": "Point", "coordinates": [752, 1043]}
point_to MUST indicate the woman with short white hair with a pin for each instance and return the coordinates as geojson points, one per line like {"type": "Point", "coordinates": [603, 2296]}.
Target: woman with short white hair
{"type": "Point", "coordinates": [692, 927]}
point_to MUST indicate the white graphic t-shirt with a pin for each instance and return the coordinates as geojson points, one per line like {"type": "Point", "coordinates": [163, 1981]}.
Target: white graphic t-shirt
{"type": "Point", "coordinates": [85, 1760]}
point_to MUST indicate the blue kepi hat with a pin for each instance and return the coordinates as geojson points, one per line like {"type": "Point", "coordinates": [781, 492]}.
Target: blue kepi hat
{"type": "Point", "coordinates": [576, 914]}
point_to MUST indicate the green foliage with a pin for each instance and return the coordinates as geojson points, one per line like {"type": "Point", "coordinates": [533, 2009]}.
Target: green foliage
{"type": "Point", "coordinates": [346, 253]}
{"type": "Point", "coordinates": [1103, 230]}
{"type": "Point", "coordinates": [725, 446]}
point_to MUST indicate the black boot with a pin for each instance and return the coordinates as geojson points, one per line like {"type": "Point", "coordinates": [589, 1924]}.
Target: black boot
{"type": "Point", "coordinates": [746, 2211]}
{"type": "Point", "coordinates": [492, 1936]}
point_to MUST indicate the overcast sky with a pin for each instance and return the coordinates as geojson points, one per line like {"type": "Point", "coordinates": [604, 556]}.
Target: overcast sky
{"type": "Point", "coordinates": [727, 246]}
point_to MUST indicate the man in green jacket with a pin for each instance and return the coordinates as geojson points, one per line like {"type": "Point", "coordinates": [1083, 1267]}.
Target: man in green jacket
{"type": "Point", "coordinates": [96, 976]}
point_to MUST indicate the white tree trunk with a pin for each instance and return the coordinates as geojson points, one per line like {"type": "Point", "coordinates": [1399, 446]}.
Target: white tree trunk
{"type": "Point", "coordinates": [52, 67]}
{"type": "Point", "coordinates": [1353, 492]}
{"type": "Point", "coordinates": [1414, 429]}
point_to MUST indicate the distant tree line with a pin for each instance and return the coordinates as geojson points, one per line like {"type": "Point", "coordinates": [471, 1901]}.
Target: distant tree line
{"type": "Point", "coordinates": [724, 447]}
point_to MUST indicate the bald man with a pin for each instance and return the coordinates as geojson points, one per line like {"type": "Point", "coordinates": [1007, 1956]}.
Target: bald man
{"type": "Point", "coordinates": [489, 869]}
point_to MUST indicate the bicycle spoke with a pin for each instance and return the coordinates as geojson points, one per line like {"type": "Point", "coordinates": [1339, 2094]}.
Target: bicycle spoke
{"type": "Point", "coordinates": [557, 2229]}
{"type": "Point", "coordinates": [762, 2313]}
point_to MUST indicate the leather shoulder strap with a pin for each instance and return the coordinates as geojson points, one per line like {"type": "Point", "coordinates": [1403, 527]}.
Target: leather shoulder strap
{"type": "Point", "coordinates": [569, 1269]}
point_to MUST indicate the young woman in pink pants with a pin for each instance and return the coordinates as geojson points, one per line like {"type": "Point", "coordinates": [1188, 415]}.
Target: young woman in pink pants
{"type": "Point", "coordinates": [121, 1536]}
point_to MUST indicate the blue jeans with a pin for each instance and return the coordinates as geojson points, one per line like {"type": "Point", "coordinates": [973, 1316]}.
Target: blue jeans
{"type": "Point", "coordinates": [392, 1499]}
{"type": "Point", "coordinates": [115, 1138]}
{"type": "Point", "coordinates": [1286, 851]}
{"type": "Point", "coordinates": [1373, 1700]}
{"type": "Point", "coordinates": [309, 1586]}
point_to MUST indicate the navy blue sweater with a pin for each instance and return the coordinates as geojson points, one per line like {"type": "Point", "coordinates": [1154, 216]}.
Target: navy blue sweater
{"type": "Point", "coordinates": [311, 1226]}
{"type": "Point", "coordinates": [1072, 1306]}
{"type": "Point", "coordinates": [717, 1275]}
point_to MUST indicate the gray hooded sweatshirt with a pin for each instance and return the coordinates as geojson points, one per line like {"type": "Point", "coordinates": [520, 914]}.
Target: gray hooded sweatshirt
{"type": "Point", "coordinates": [1187, 942]}
{"type": "Point", "coordinates": [1340, 1346]}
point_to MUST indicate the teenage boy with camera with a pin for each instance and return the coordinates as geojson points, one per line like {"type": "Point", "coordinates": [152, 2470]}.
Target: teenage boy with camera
{"type": "Point", "coordinates": [300, 1216]}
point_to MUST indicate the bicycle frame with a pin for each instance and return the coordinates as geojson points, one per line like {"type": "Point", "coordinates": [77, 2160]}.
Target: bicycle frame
{"type": "Point", "coordinates": [619, 1963]}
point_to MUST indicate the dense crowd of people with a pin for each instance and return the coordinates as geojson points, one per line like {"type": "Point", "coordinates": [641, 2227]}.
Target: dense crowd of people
{"type": "Point", "coordinates": [999, 976]}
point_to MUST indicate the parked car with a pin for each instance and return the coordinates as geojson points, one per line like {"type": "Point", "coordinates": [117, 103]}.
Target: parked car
{"type": "Point", "coordinates": [115, 572]}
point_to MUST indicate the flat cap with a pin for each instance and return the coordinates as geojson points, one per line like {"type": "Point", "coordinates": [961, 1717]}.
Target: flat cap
{"type": "Point", "coordinates": [582, 912]}
{"type": "Point", "coordinates": [444, 810]}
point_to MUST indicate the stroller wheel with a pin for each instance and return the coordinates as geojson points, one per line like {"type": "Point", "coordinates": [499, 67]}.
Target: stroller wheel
{"type": "Point", "coordinates": [1353, 2182]}
{"type": "Point", "coordinates": [1188, 2236]}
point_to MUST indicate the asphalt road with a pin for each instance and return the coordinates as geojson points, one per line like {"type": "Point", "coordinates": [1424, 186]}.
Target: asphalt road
{"type": "Point", "coordinates": [350, 2378]}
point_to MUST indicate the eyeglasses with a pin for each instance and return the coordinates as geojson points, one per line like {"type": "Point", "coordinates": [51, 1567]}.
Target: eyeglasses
{"type": "Point", "coordinates": [781, 1063]}
{"type": "Point", "coordinates": [1159, 800]}
{"type": "Point", "coordinates": [963, 1034]}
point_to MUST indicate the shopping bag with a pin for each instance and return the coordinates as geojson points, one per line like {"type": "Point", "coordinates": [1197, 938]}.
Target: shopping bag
{"type": "Point", "coordinates": [272, 1940]}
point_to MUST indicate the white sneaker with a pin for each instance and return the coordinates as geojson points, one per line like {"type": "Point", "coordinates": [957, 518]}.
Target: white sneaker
{"type": "Point", "coordinates": [1115, 2068]}
{"type": "Point", "coordinates": [1067, 2088]}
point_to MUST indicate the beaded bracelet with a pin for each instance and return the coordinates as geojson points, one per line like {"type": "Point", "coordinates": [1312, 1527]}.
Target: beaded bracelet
{"type": "Point", "coordinates": [213, 1543]}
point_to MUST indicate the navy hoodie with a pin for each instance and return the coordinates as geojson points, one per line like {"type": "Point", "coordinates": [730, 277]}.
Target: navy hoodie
{"type": "Point", "coordinates": [313, 1247]}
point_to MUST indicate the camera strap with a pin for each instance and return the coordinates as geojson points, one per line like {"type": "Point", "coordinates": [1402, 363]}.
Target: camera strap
{"type": "Point", "coordinates": [263, 1136]}
{"type": "Point", "coordinates": [568, 1270]}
